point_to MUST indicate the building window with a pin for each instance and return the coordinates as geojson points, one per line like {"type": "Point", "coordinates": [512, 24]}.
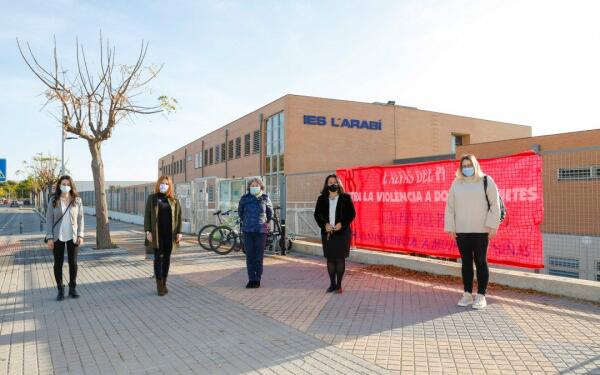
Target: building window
{"type": "Point", "coordinates": [281, 133]}
{"type": "Point", "coordinates": [205, 157]}
{"type": "Point", "coordinates": [230, 150]}
{"type": "Point", "coordinates": [457, 140]}
{"type": "Point", "coordinates": [598, 265]}
{"type": "Point", "coordinates": [223, 150]}
{"type": "Point", "coordinates": [583, 173]}
{"type": "Point", "coordinates": [210, 191]}
{"type": "Point", "coordinates": [238, 147]}
{"type": "Point", "coordinates": [189, 158]}
{"type": "Point", "coordinates": [247, 144]}
{"type": "Point", "coordinates": [256, 142]}
{"type": "Point", "coordinates": [217, 154]}
{"type": "Point", "coordinates": [564, 262]}
{"type": "Point", "coordinates": [562, 273]}
{"type": "Point", "coordinates": [210, 156]}
{"type": "Point", "coordinates": [198, 161]}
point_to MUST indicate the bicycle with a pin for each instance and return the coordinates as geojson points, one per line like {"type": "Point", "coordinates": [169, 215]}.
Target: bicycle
{"type": "Point", "coordinates": [204, 233]}
{"type": "Point", "coordinates": [224, 239]}
{"type": "Point", "coordinates": [274, 236]}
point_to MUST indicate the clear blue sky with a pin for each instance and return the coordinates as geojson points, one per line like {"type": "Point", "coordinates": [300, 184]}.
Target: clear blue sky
{"type": "Point", "coordinates": [528, 62]}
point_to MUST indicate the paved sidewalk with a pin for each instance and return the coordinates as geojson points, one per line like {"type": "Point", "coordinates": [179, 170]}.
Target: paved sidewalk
{"type": "Point", "coordinates": [209, 323]}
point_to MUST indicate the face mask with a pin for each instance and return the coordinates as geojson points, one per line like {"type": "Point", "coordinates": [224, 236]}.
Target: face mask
{"type": "Point", "coordinates": [470, 171]}
{"type": "Point", "coordinates": [333, 188]}
{"type": "Point", "coordinates": [65, 188]}
{"type": "Point", "coordinates": [254, 190]}
{"type": "Point", "coordinates": [163, 188]}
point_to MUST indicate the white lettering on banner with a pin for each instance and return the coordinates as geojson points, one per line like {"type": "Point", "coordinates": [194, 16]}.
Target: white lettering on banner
{"type": "Point", "coordinates": [420, 176]}
{"type": "Point", "coordinates": [519, 194]}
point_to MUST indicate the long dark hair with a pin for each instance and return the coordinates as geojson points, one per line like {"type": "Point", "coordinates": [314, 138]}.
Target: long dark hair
{"type": "Point", "coordinates": [325, 190]}
{"type": "Point", "coordinates": [74, 194]}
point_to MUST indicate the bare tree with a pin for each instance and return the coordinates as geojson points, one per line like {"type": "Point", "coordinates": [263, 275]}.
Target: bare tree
{"type": "Point", "coordinates": [93, 103]}
{"type": "Point", "coordinates": [45, 172]}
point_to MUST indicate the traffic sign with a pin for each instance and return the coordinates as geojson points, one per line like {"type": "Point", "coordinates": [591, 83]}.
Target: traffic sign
{"type": "Point", "coordinates": [2, 170]}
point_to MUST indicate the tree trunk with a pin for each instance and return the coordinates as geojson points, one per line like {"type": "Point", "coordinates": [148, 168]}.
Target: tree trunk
{"type": "Point", "coordinates": [103, 240]}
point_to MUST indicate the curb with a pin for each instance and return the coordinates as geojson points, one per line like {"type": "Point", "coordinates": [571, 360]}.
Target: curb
{"type": "Point", "coordinates": [587, 290]}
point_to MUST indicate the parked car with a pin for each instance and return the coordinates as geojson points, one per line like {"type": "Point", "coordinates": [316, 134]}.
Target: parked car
{"type": "Point", "coordinates": [27, 202]}
{"type": "Point", "coordinates": [14, 204]}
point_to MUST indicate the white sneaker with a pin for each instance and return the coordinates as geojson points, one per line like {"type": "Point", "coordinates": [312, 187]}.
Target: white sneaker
{"type": "Point", "coordinates": [466, 299]}
{"type": "Point", "coordinates": [479, 302]}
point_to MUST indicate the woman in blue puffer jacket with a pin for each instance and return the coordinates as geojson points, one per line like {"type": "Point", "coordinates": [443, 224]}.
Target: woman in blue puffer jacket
{"type": "Point", "coordinates": [255, 211]}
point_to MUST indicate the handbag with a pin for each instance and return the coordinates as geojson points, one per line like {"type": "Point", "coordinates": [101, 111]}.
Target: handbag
{"type": "Point", "coordinates": [58, 221]}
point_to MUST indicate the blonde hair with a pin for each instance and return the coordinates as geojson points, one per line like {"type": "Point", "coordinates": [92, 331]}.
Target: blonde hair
{"type": "Point", "coordinates": [170, 192]}
{"type": "Point", "coordinates": [478, 172]}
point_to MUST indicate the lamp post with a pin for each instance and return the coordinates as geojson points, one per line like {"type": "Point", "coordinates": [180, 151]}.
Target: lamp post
{"type": "Point", "coordinates": [62, 157]}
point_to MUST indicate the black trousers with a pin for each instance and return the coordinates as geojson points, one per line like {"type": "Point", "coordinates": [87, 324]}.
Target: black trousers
{"type": "Point", "coordinates": [162, 257]}
{"type": "Point", "coordinates": [59, 259]}
{"type": "Point", "coordinates": [473, 247]}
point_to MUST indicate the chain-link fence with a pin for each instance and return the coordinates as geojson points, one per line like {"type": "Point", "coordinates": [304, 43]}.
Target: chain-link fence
{"type": "Point", "coordinates": [302, 192]}
{"type": "Point", "coordinates": [571, 226]}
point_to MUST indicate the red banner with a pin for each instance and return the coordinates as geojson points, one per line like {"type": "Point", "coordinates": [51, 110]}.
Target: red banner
{"type": "Point", "coordinates": [401, 208]}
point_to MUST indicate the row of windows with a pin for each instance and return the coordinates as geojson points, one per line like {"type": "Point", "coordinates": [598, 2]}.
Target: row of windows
{"type": "Point", "coordinates": [583, 173]}
{"type": "Point", "coordinates": [564, 262]}
{"type": "Point", "coordinates": [173, 168]}
{"type": "Point", "coordinates": [230, 150]}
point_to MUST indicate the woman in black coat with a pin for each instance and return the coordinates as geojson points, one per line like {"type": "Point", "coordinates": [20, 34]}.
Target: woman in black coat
{"type": "Point", "coordinates": [334, 212]}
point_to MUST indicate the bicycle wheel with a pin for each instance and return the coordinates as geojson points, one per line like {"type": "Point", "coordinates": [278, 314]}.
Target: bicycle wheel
{"type": "Point", "coordinates": [203, 236]}
{"type": "Point", "coordinates": [222, 240]}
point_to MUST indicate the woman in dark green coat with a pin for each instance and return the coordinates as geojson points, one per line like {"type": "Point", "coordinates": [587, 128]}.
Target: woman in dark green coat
{"type": "Point", "coordinates": [162, 223]}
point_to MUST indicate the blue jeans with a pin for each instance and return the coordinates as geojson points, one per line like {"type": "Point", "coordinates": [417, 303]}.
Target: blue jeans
{"type": "Point", "coordinates": [254, 244]}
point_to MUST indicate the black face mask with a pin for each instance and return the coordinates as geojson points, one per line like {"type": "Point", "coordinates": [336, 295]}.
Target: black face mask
{"type": "Point", "coordinates": [333, 188]}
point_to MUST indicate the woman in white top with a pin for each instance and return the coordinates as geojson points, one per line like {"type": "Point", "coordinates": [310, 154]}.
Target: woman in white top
{"type": "Point", "coordinates": [469, 220]}
{"type": "Point", "coordinates": [64, 228]}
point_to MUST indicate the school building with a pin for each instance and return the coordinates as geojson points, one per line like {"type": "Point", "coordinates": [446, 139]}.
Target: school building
{"type": "Point", "coordinates": [296, 135]}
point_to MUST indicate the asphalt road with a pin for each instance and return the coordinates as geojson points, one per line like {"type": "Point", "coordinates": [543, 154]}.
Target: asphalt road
{"type": "Point", "coordinates": [15, 220]}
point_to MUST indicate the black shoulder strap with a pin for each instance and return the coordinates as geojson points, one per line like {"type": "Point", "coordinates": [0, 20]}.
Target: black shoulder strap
{"type": "Point", "coordinates": [485, 191]}
{"type": "Point", "coordinates": [63, 215]}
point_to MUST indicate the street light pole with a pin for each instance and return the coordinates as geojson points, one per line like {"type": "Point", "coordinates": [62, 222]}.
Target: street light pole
{"type": "Point", "coordinates": [64, 138]}
{"type": "Point", "coordinates": [62, 151]}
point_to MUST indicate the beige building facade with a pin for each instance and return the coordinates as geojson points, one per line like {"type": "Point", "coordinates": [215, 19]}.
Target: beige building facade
{"type": "Point", "coordinates": [300, 134]}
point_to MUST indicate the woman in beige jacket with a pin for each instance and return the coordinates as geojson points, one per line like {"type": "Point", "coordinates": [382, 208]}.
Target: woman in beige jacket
{"type": "Point", "coordinates": [472, 224]}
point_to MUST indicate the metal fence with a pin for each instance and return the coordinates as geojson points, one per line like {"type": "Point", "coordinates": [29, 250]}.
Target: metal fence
{"type": "Point", "coordinates": [571, 225]}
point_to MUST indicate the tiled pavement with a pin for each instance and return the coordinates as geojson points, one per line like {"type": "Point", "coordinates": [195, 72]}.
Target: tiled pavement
{"type": "Point", "coordinates": [208, 323]}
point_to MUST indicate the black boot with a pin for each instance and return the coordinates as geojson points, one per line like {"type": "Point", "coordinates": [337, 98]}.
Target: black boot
{"type": "Point", "coordinates": [73, 293]}
{"type": "Point", "coordinates": [61, 293]}
{"type": "Point", "coordinates": [164, 285]}
{"type": "Point", "coordinates": [159, 287]}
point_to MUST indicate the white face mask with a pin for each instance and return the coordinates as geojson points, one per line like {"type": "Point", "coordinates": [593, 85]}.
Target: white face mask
{"type": "Point", "coordinates": [65, 188]}
{"type": "Point", "coordinates": [163, 188]}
